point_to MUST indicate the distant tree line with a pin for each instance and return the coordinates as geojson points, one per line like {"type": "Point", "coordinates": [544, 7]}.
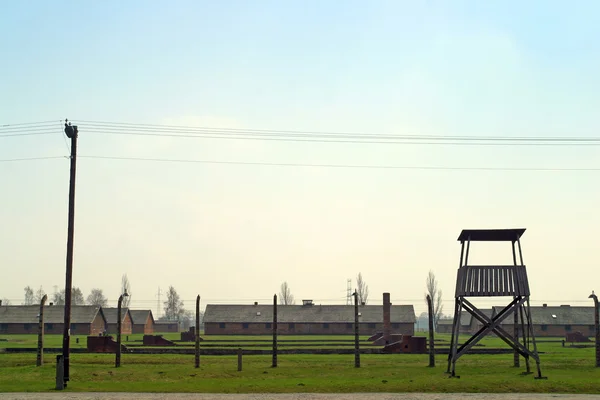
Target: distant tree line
{"type": "Point", "coordinates": [95, 298]}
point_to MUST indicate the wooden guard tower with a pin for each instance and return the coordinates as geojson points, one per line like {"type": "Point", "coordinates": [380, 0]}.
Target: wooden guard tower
{"type": "Point", "coordinates": [494, 281]}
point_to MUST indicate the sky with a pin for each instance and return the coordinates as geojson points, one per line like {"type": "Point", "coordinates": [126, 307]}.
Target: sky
{"type": "Point", "coordinates": [233, 233]}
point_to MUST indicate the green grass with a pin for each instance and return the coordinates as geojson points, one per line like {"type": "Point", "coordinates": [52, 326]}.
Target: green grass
{"type": "Point", "coordinates": [569, 370]}
{"type": "Point", "coordinates": [55, 341]}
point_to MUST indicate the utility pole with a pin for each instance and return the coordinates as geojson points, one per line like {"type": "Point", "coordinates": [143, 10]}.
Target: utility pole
{"type": "Point", "coordinates": [158, 304]}
{"type": "Point", "coordinates": [356, 328]}
{"type": "Point", "coordinates": [71, 132]}
{"type": "Point", "coordinates": [431, 331]}
{"type": "Point", "coordinates": [274, 363]}
{"type": "Point", "coordinates": [349, 292]}
{"type": "Point", "coordinates": [197, 334]}
{"type": "Point", "coordinates": [596, 325]}
{"type": "Point", "coordinates": [40, 350]}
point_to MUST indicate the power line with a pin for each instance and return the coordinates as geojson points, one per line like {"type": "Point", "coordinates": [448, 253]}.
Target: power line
{"type": "Point", "coordinates": [48, 132]}
{"type": "Point", "coordinates": [169, 130]}
{"type": "Point", "coordinates": [302, 165]}
{"type": "Point", "coordinates": [430, 142]}
{"type": "Point", "coordinates": [31, 158]}
{"type": "Point", "coordinates": [175, 128]}
{"type": "Point", "coordinates": [64, 138]}
{"type": "Point", "coordinates": [27, 123]}
{"type": "Point", "coordinates": [165, 160]}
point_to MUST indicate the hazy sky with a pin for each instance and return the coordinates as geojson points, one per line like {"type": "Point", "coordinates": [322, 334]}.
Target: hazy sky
{"type": "Point", "coordinates": [233, 233]}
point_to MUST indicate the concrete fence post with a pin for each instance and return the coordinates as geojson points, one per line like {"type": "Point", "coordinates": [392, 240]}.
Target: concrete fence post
{"type": "Point", "coordinates": [431, 332]}
{"type": "Point", "coordinates": [40, 348]}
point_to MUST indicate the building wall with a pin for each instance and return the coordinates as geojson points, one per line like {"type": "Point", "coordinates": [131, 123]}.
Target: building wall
{"type": "Point", "coordinates": [98, 326]}
{"type": "Point", "coordinates": [444, 328]}
{"type": "Point", "coordinates": [146, 328]}
{"type": "Point", "coordinates": [555, 330]}
{"type": "Point", "coordinates": [166, 328]}
{"type": "Point", "coordinates": [126, 326]}
{"type": "Point", "coordinates": [93, 329]}
{"type": "Point", "coordinates": [18, 329]}
{"type": "Point", "coordinates": [285, 328]}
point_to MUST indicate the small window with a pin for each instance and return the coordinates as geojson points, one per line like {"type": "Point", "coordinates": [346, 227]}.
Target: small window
{"type": "Point", "coordinates": [222, 325]}
{"type": "Point", "coordinates": [268, 325]}
{"type": "Point", "coordinates": [291, 326]}
{"type": "Point", "coordinates": [245, 325]}
{"type": "Point", "coordinates": [73, 327]}
{"type": "Point", "coordinates": [3, 327]}
{"type": "Point", "coordinates": [396, 326]}
{"type": "Point", "coordinates": [27, 327]}
{"type": "Point", "coordinates": [349, 326]}
{"type": "Point", "coordinates": [567, 328]}
{"type": "Point", "coordinates": [544, 327]}
{"type": "Point", "coordinates": [372, 326]}
{"type": "Point", "coordinates": [326, 326]}
{"type": "Point", "coordinates": [49, 326]}
{"type": "Point", "coordinates": [592, 328]}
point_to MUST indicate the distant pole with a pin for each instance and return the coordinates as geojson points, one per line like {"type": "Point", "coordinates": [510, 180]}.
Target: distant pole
{"type": "Point", "coordinates": [274, 331]}
{"type": "Point", "coordinates": [431, 342]}
{"type": "Point", "coordinates": [118, 355]}
{"type": "Point", "coordinates": [71, 132]}
{"type": "Point", "coordinates": [597, 326]}
{"type": "Point", "coordinates": [356, 332]}
{"type": "Point", "coordinates": [197, 332]}
{"type": "Point", "coordinates": [40, 349]}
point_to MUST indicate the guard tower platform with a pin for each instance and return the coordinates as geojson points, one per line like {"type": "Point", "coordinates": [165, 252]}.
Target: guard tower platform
{"type": "Point", "coordinates": [494, 281]}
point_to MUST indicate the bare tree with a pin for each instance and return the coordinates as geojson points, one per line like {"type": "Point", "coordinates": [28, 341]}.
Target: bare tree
{"type": "Point", "coordinates": [362, 289]}
{"type": "Point", "coordinates": [285, 295]}
{"type": "Point", "coordinates": [97, 298]}
{"type": "Point", "coordinates": [188, 319]}
{"type": "Point", "coordinates": [29, 296]}
{"type": "Point", "coordinates": [39, 294]}
{"type": "Point", "coordinates": [125, 288]}
{"type": "Point", "coordinates": [58, 298]}
{"type": "Point", "coordinates": [5, 302]}
{"type": "Point", "coordinates": [436, 297]}
{"type": "Point", "coordinates": [174, 310]}
{"type": "Point", "coordinates": [77, 298]}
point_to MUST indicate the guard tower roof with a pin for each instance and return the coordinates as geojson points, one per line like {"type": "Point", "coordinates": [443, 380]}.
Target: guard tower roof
{"type": "Point", "coordinates": [491, 235]}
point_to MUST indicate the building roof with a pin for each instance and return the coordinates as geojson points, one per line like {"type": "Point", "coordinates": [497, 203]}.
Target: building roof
{"type": "Point", "coordinates": [558, 315]}
{"type": "Point", "coordinates": [305, 314]}
{"type": "Point", "coordinates": [163, 322]}
{"type": "Point", "coordinates": [466, 318]}
{"type": "Point", "coordinates": [112, 313]}
{"type": "Point", "coordinates": [490, 235]}
{"type": "Point", "coordinates": [140, 316]}
{"type": "Point", "coordinates": [52, 314]}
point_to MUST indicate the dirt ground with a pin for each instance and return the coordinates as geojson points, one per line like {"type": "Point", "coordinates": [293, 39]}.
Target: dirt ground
{"type": "Point", "coordinates": [295, 396]}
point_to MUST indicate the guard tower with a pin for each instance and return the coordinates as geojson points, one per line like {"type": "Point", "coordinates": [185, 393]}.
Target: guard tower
{"type": "Point", "coordinates": [493, 281]}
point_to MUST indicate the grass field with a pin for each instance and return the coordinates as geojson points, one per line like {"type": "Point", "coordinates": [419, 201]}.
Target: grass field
{"type": "Point", "coordinates": [569, 370]}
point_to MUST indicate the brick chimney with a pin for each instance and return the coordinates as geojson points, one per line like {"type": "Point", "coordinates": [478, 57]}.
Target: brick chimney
{"type": "Point", "coordinates": [387, 323]}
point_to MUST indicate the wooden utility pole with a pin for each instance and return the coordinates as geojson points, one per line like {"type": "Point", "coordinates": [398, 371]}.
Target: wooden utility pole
{"type": "Point", "coordinates": [197, 333]}
{"type": "Point", "coordinates": [274, 331]}
{"type": "Point", "coordinates": [40, 349]}
{"type": "Point", "coordinates": [356, 332]}
{"type": "Point", "coordinates": [119, 326]}
{"type": "Point", "coordinates": [71, 132]}
{"type": "Point", "coordinates": [431, 331]}
{"type": "Point", "coordinates": [597, 326]}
